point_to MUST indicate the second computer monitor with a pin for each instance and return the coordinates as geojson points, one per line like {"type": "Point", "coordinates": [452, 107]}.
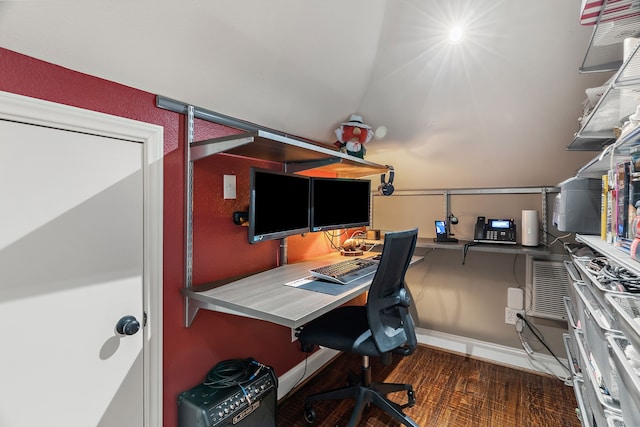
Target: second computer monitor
{"type": "Point", "coordinates": [339, 203]}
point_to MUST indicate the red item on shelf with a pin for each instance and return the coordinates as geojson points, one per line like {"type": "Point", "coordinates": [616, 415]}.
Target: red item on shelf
{"type": "Point", "coordinates": [613, 10]}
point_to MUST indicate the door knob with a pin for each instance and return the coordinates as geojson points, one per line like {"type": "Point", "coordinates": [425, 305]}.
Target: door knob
{"type": "Point", "coordinates": [128, 325]}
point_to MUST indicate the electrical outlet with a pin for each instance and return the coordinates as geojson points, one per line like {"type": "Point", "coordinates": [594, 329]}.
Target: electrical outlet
{"type": "Point", "coordinates": [510, 315]}
{"type": "Point", "coordinates": [229, 183]}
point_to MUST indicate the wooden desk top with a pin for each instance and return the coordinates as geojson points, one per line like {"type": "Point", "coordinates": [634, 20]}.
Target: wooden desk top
{"type": "Point", "coordinates": [265, 296]}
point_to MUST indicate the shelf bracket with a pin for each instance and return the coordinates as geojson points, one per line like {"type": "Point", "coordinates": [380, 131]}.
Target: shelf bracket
{"type": "Point", "coordinates": [202, 149]}
{"type": "Point", "coordinates": [293, 167]}
{"type": "Point", "coordinates": [191, 309]}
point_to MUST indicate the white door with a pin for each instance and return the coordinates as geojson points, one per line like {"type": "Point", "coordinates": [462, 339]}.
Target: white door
{"type": "Point", "coordinates": [71, 266]}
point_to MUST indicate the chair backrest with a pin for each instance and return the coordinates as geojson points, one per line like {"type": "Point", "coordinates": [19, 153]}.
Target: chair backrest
{"type": "Point", "coordinates": [388, 302]}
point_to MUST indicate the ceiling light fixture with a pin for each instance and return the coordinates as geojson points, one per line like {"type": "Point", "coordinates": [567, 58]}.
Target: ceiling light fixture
{"type": "Point", "coordinates": [455, 34]}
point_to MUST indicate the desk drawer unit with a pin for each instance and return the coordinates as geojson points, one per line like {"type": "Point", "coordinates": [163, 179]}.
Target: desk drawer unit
{"type": "Point", "coordinates": [597, 395]}
{"type": "Point", "coordinates": [583, 411]}
{"type": "Point", "coordinates": [596, 326]}
{"type": "Point", "coordinates": [574, 276]}
{"type": "Point", "coordinates": [573, 327]}
{"type": "Point", "coordinates": [604, 320]}
{"type": "Point", "coordinates": [599, 283]}
{"type": "Point", "coordinates": [629, 381]}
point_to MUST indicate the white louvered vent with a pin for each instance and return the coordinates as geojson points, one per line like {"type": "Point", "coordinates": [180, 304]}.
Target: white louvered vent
{"type": "Point", "coordinates": [549, 284]}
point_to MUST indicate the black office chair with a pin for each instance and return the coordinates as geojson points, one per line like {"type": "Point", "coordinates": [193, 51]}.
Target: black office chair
{"type": "Point", "coordinates": [382, 327]}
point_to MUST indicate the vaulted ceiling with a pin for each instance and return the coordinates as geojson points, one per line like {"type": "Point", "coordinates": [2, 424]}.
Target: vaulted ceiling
{"type": "Point", "coordinates": [508, 93]}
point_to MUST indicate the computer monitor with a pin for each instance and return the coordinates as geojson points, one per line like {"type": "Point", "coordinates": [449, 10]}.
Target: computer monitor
{"type": "Point", "coordinates": [339, 203]}
{"type": "Point", "coordinates": [278, 205]}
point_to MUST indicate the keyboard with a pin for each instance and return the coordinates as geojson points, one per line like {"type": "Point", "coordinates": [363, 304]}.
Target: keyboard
{"type": "Point", "coordinates": [345, 272]}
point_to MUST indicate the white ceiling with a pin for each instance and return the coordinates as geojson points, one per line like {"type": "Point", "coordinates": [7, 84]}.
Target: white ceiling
{"type": "Point", "coordinates": [501, 106]}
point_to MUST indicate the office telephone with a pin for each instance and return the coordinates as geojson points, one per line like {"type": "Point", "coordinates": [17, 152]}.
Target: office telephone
{"type": "Point", "coordinates": [495, 231]}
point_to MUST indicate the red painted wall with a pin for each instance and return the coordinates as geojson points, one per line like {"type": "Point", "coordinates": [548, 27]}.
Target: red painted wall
{"type": "Point", "coordinates": [220, 247]}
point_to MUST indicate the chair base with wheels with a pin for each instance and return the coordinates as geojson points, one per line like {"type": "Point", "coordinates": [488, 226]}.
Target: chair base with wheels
{"type": "Point", "coordinates": [365, 392]}
{"type": "Point", "coordinates": [379, 329]}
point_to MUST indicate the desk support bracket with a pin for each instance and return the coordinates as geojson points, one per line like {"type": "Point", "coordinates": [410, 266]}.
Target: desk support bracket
{"type": "Point", "coordinates": [191, 308]}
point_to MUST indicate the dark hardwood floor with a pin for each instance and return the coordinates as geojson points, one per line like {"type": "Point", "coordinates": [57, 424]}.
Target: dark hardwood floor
{"type": "Point", "coordinates": [451, 390]}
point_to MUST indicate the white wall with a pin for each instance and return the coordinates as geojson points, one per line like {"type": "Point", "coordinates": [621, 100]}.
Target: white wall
{"type": "Point", "coordinates": [489, 111]}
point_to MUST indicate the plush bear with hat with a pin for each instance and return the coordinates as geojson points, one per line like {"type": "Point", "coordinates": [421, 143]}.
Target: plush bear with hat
{"type": "Point", "coordinates": [353, 135]}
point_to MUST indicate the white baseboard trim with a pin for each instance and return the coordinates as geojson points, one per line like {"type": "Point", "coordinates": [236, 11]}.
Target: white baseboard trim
{"type": "Point", "coordinates": [496, 353]}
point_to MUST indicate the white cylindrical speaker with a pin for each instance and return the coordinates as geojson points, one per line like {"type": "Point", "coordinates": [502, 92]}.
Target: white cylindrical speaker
{"type": "Point", "coordinates": [530, 228]}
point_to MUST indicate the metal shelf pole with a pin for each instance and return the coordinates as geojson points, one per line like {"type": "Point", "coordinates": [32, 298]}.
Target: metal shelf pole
{"type": "Point", "coordinates": [189, 308]}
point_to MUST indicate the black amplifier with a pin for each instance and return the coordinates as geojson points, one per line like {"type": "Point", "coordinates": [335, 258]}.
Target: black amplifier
{"type": "Point", "coordinates": [249, 401]}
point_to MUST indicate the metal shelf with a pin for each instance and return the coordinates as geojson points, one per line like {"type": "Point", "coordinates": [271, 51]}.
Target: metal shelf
{"type": "Point", "coordinates": [461, 245]}
{"type": "Point", "coordinates": [294, 153]}
{"type": "Point", "coordinates": [611, 155]}
{"type": "Point", "coordinates": [605, 50]}
{"type": "Point", "coordinates": [597, 130]}
{"type": "Point", "coordinates": [613, 252]}
{"type": "Point", "coordinates": [621, 96]}
{"type": "Point", "coordinates": [259, 142]}
{"type": "Point", "coordinates": [618, 102]}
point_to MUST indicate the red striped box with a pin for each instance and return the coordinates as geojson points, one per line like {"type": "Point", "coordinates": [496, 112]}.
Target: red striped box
{"type": "Point", "coordinates": [614, 10]}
